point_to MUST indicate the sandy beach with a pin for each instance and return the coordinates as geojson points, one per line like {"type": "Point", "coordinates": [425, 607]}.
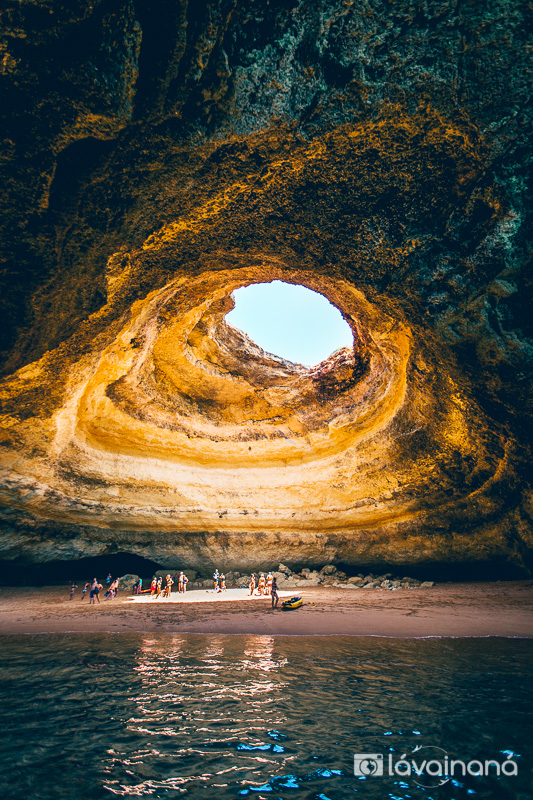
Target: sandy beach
{"type": "Point", "coordinates": [502, 608]}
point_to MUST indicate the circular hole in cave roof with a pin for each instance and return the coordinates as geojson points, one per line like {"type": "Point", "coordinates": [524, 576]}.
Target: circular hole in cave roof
{"type": "Point", "coordinates": [290, 321]}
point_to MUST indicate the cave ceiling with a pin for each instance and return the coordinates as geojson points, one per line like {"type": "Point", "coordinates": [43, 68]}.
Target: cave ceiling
{"type": "Point", "coordinates": [158, 156]}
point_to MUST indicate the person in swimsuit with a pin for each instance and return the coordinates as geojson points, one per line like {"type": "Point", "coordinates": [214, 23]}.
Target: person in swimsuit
{"type": "Point", "coordinates": [180, 582]}
{"type": "Point", "coordinates": [275, 593]}
{"type": "Point", "coordinates": [139, 586]}
{"type": "Point", "coordinates": [96, 591]}
{"type": "Point", "coordinates": [261, 584]}
{"type": "Point", "coordinates": [184, 582]}
{"type": "Point", "coordinates": [159, 588]}
{"type": "Point", "coordinates": [84, 590]}
{"type": "Point", "coordinates": [94, 584]}
{"type": "Point", "coordinates": [72, 590]}
{"type": "Point", "coordinates": [252, 583]}
{"type": "Point", "coordinates": [269, 584]}
{"type": "Point", "coordinates": [216, 576]}
{"type": "Point", "coordinates": [108, 579]}
{"type": "Point", "coordinates": [153, 586]}
{"type": "Point", "coordinates": [222, 583]}
{"type": "Point", "coordinates": [168, 587]}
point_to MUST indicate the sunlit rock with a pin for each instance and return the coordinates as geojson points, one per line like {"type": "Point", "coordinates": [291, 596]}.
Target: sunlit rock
{"type": "Point", "coordinates": [135, 419]}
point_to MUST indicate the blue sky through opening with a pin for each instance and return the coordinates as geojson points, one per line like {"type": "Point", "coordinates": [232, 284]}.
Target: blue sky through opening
{"type": "Point", "coordinates": [290, 321]}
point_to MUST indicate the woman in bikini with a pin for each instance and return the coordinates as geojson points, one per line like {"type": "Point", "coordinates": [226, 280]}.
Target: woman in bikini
{"type": "Point", "coordinates": [168, 587]}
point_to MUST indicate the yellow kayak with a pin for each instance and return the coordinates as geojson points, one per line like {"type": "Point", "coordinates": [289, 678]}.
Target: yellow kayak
{"type": "Point", "coordinates": [294, 602]}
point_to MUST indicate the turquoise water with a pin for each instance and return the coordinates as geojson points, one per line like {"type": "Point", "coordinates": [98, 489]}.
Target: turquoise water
{"type": "Point", "coordinates": [168, 716]}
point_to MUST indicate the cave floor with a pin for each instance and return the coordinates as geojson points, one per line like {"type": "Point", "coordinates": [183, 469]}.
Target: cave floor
{"type": "Point", "coordinates": [502, 608]}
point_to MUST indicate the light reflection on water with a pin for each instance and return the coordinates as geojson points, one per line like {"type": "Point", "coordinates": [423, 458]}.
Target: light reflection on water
{"type": "Point", "coordinates": [255, 716]}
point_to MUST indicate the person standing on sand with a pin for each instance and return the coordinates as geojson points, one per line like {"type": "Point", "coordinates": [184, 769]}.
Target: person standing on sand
{"type": "Point", "coordinates": [94, 584]}
{"type": "Point", "coordinates": [158, 587]}
{"type": "Point", "coordinates": [269, 584]}
{"type": "Point", "coordinates": [216, 576]}
{"type": "Point", "coordinates": [252, 583]}
{"type": "Point", "coordinates": [222, 583]}
{"type": "Point", "coordinates": [153, 586]}
{"type": "Point", "coordinates": [108, 580]}
{"type": "Point", "coordinates": [168, 587]}
{"type": "Point", "coordinates": [184, 583]}
{"type": "Point", "coordinates": [72, 590]}
{"type": "Point", "coordinates": [261, 584]}
{"type": "Point", "coordinates": [275, 593]}
{"type": "Point", "coordinates": [84, 591]}
{"type": "Point", "coordinates": [96, 592]}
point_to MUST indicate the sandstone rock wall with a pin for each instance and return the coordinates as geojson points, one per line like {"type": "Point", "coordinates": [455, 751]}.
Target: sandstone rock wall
{"type": "Point", "coordinates": [157, 156]}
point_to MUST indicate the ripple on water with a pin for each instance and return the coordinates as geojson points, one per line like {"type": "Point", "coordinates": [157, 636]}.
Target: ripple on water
{"type": "Point", "coordinates": [236, 716]}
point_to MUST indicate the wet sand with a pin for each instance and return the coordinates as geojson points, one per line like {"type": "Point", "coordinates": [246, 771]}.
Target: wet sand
{"type": "Point", "coordinates": [452, 609]}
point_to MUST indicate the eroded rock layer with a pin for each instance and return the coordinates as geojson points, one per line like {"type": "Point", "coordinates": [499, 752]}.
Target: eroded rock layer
{"type": "Point", "coordinates": [136, 419]}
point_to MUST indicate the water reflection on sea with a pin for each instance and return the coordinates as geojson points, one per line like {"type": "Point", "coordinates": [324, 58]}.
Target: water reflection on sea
{"type": "Point", "coordinates": [255, 716]}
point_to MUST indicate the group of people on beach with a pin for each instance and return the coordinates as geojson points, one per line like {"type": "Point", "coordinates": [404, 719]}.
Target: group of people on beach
{"type": "Point", "coordinates": [156, 586]}
{"type": "Point", "coordinates": [263, 585]}
{"type": "Point", "coordinates": [219, 580]}
{"type": "Point", "coordinates": [94, 588]}
{"type": "Point", "coordinates": [267, 586]}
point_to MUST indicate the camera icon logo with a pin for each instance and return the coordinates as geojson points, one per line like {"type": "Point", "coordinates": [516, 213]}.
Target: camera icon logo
{"type": "Point", "coordinates": [368, 764]}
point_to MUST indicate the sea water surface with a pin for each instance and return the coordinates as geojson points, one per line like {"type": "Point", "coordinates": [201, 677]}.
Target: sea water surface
{"type": "Point", "coordinates": [203, 716]}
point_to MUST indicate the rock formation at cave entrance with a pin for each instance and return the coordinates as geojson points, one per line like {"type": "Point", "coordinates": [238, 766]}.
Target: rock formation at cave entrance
{"type": "Point", "coordinates": [156, 157]}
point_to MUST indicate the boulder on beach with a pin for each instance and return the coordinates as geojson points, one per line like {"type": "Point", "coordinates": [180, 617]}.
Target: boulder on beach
{"type": "Point", "coordinates": [127, 582]}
